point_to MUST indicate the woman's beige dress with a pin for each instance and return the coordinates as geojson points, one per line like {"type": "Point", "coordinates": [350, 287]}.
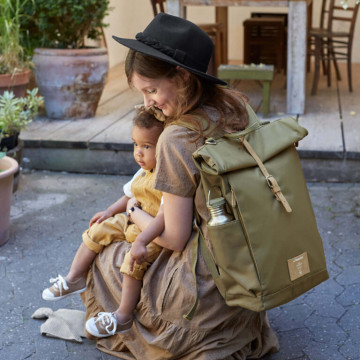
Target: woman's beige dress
{"type": "Point", "coordinates": [160, 332]}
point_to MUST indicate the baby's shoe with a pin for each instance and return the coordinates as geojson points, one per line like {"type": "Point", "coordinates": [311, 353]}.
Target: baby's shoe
{"type": "Point", "coordinates": [63, 288]}
{"type": "Point", "coordinates": [105, 324]}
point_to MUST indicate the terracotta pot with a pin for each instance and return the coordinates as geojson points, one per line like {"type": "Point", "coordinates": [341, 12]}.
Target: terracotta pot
{"type": "Point", "coordinates": [71, 80]}
{"type": "Point", "coordinates": [9, 167]}
{"type": "Point", "coordinates": [17, 83]}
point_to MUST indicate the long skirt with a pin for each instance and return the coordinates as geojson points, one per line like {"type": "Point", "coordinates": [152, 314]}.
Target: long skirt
{"type": "Point", "coordinates": [160, 331]}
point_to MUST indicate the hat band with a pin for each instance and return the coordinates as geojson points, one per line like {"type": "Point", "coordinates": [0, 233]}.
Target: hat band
{"type": "Point", "coordinates": [177, 54]}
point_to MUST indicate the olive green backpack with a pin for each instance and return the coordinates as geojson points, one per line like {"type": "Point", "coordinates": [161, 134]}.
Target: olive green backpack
{"type": "Point", "coordinates": [272, 251]}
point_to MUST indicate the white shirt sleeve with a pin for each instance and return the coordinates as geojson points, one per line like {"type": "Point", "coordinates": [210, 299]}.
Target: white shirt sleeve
{"type": "Point", "coordinates": [127, 186]}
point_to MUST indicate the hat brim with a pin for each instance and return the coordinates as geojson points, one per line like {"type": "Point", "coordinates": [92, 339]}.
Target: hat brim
{"type": "Point", "coordinates": [148, 50]}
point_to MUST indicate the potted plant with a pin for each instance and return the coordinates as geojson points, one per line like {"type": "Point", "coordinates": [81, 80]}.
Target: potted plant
{"type": "Point", "coordinates": [8, 167]}
{"type": "Point", "coordinates": [15, 115]}
{"type": "Point", "coordinates": [70, 75]}
{"type": "Point", "coordinates": [14, 65]}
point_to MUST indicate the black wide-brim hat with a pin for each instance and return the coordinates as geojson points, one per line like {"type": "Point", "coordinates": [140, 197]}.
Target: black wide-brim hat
{"type": "Point", "coordinates": [176, 41]}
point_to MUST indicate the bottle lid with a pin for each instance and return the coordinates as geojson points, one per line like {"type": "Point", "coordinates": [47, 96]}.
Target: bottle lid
{"type": "Point", "coordinates": [216, 202]}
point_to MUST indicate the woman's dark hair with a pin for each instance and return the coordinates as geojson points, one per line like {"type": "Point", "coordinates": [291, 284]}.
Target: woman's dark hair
{"type": "Point", "coordinates": [193, 94]}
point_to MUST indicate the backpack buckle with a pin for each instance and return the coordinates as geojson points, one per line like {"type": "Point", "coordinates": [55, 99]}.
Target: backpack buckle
{"type": "Point", "coordinates": [210, 141]}
{"type": "Point", "coordinates": [269, 182]}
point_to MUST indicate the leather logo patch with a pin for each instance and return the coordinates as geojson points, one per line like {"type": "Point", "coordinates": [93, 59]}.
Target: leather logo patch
{"type": "Point", "coordinates": [298, 266]}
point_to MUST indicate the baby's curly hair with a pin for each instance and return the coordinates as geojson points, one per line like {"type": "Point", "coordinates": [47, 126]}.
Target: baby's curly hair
{"type": "Point", "coordinates": [145, 119]}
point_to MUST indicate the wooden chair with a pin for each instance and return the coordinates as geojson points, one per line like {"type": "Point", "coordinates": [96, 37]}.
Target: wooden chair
{"type": "Point", "coordinates": [264, 41]}
{"type": "Point", "coordinates": [333, 40]}
{"type": "Point", "coordinates": [310, 39]}
{"type": "Point", "coordinates": [277, 15]}
{"type": "Point", "coordinates": [215, 32]}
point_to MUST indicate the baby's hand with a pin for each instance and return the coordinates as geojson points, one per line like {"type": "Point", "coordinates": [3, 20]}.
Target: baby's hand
{"type": "Point", "coordinates": [100, 217]}
{"type": "Point", "coordinates": [138, 254]}
{"type": "Point", "coordinates": [131, 202]}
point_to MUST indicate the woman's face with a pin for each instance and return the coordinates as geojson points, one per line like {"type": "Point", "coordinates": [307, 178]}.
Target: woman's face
{"type": "Point", "coordinates": [161, 93]}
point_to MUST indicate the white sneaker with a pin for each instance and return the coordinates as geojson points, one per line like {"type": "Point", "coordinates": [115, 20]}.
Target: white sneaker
{"type": "Point", "coordinates": [105, 324]}
{"type": "Point", "coordinates": [63, 288]}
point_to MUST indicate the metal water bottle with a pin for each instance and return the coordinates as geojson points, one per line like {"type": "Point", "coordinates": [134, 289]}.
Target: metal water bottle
{"type": "Point", "coordinates": [218, 213]}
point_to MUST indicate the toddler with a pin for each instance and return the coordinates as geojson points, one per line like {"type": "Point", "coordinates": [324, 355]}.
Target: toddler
{"type": "Point", "coordinates": [142, 203]}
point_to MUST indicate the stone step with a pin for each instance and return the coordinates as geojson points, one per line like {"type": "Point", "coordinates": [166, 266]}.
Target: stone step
{"type": "Point", "coordinates": [117, 158]}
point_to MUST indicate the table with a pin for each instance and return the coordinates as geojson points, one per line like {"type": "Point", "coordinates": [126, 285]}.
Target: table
{"type": "Point", "coordinates": [297, 43]}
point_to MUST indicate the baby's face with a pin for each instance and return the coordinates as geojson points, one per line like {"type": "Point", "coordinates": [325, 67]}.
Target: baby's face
{"type": "Point", "coordinates": [144, 141]}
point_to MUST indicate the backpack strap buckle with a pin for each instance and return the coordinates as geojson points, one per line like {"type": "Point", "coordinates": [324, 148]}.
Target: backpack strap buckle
{"type": "Point", "coordinates": [275, 188]}
{"type": "Point", "coordinates": [271, 181]}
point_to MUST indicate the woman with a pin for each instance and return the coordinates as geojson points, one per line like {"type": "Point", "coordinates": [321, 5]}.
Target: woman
{"type": "Point", "coordinates": [167, 63]}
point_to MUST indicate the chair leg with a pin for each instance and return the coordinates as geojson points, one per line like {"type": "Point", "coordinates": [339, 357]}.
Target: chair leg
{"type": "Point", "coordinates": [218, 51]}
{"type": "Point", "coordinates": [324, 67]}
{"type": "Point", "coordinates": [349, 73]}
{"type": "Point", "coordinates": [323, 57]}
{"type": "Point", "coordinates": [317, 65]}
{"type": "Point", "coordinates": [333, 57]}
{"type": "Point", "coordinates": [338, 75]}
{"type": "Point", "coordinates": [328, 64]}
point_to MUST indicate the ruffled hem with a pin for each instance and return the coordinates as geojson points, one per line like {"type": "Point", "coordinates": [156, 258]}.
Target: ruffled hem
{"type": "Point", "coordinates": [239, 333]}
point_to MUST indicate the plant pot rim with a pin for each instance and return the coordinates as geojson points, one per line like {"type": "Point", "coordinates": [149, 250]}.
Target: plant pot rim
{"type": "Point", "coordinates": [73, 52]}
{"type": "Point", "coordinates": [21, 72]}
{"type": "Point", "coordinates": [9, 165]}
{"type": "Point", "coordinates": [18, 78]}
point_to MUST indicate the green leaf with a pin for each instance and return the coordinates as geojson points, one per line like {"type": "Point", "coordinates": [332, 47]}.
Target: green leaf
{"type": "Point", "coordinates": [17, 113]}
{"type": "Point", "coordinates": [64, 23]}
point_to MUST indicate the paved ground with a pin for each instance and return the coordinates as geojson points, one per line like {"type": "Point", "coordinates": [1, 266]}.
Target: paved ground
{"type": "Point", "coordinates": [50, 211]}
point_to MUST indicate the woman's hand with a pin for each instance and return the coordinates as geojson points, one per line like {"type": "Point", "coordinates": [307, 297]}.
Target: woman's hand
{"type": "Point", "coordinates": [138, 254]}
{"type": "Point", "coordinates": [100, 216]}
